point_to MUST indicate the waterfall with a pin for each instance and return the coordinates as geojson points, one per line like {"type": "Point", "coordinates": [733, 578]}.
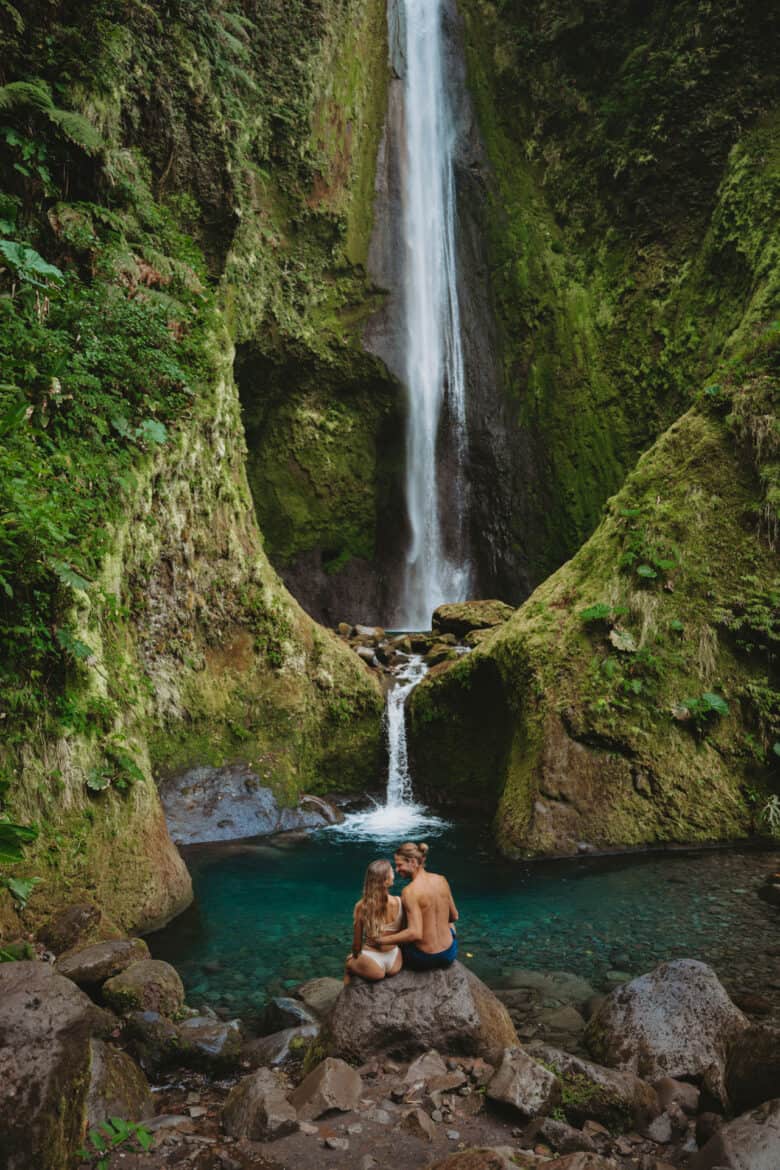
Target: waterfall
{"type": "Point", "coordinates": [433, 355]}
{"type": "Point", "coordinates": [400, 815]}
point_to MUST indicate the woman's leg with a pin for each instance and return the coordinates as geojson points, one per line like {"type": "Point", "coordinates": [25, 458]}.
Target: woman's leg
{"type": "Point", "coordinates": [398, 963]}
{"type": "Point", "coordinates": [365, 967]}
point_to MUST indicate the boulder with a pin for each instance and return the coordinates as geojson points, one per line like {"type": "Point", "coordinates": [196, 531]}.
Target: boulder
{"type": "Point", "coordinates": [527, 1086]}
{"type": "Point", "coordinates": [614, 1098]}
{"type": "Point", "coordinates": [258, 1109]}
{"type": "Point", "coordinates": [677, 1021]}
{"type": "Point", "coordinates": [147, 986]}
{"type": "Point", "coordinates": [680, 1093]}
{"type": "Point", "coordinates": [46, 1025]}
{"type": "Point", "coordinates": [331, 1085]}
{"type": "Point", "coordinates": [283, 1012]}
{"type": "Point", "coordinates": [449, 1010]}
{"type": "Point", "coordinates": [94, 964]}
{"type": "Point", "coordinates": [418, 1123]}
{"type": "Point", "coordinates": [230, 803]}
{"type": "Point", "coordinates": [460, 618]}
{"type": "Point", "coordinates": [320, 995]}
{"type": "Point", "coordinates": [209, 1044]}
{"type": "Point", "coordinates": [281, 1047]}
{"type": "Point", "coordinates": [582, 1161]}
{"type": "Point", "coordinates": [563, 1138]}
{"type": "Point", "coordinates": [154, 1040]}
{"type": "Point", "coordinates": [76, 926]}
{"type": "Point", "coordinates": [751, 1142]}
{"type": "Point", "coordinates": [117, 1087]}
{"type": "Point", "coordinates": [753, 1067]}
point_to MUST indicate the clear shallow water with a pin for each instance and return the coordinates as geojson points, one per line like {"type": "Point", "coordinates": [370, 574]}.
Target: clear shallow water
{"type": "Point", "coordinates": [268, 916]}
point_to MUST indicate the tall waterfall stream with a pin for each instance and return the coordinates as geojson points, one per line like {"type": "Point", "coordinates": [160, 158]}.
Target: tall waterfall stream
{"type": "Point", "coordinates": [434, 354]}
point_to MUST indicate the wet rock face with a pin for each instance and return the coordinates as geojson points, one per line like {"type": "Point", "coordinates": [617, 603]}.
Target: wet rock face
{"type": "Point", "coordinates": [677, 1021]}
{"type": "Point", "coordinates": [46, 1025]}
{"type": "Point", "coordinates": [226, 804]}
{"type": "Point", "coordinates": [449, 1010]}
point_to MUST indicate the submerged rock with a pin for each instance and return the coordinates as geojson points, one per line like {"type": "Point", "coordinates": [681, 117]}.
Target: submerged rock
{"type": "Point", "coordinates": [677, 1021]}
{"type": "Point", "coordinates": [449, 1010]}
{"type": "Point", "coordinates": [227, 804]}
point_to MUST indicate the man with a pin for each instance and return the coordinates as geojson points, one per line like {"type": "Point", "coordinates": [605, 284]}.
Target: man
{"type": "Point", "coordinates": [428, 941]}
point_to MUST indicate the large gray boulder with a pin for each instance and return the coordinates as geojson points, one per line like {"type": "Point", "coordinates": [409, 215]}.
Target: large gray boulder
{"type": "Point", "coordinates": [524, 1084]}
{"type": "Point", "coordinates": [753, 1068]}
{"type": "Point", "coordinates": [677, 1021]}
{"type": "Point", "coordinates": [751, 1142]}
{"type": "Point", "coordinates": [46, 1025]}
{"type": "Point", "coordinates": [449, 1010]}
{"type": "Point", "coordinates": [614, 1098]}
{"type": "Point", "coordinates": [94, 964]}
{"type": "Point", "coordinates": [258, 1109]}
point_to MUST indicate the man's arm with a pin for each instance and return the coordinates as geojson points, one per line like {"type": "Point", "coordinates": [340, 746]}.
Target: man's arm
{"type": "Point", "coordinates": [453, 907]}
{"type": "Point", "coordinates": [414, 923]}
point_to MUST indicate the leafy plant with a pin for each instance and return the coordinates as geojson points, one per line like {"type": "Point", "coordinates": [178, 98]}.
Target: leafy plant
{"type": "Point", "coordinates": [601, 612]}
{"type": "Point", "coordinates": [701, 712]}
{"type": "Point", "coordinates": [13, 839]}
{"type": "Point", "coordinates": [114, 1134]}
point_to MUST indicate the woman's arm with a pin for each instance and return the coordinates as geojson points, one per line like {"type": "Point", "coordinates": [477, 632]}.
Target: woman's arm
{"type": "Point", "coordinates": [357, 930]}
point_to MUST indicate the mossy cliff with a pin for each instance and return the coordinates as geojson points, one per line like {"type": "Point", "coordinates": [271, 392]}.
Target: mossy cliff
{"type": "Point", "coordinates": [616, 272]}
{"type": "Point", "coordinates": [633, 698]}
{"type": "Point", "coordinates": [193, 191]}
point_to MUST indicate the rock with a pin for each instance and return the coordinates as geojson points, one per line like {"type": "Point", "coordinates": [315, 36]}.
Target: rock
{"type": "Point", "coordinates": [671, 1092]}
{"type": "Point", "coordinates": [770, 890]}
{"type": "Point", "coordinates": [563, 1019]}
{"type": "Point", "coordinates": [751, 1142]}
{"type": "Point", "coordinates": [46, 1027]}
{"type": "Point", "coordinates": [611, 1097]}
{"type": "Point", "coordinates": [208, 1044]}
{"type": "Point", "coordinates": [676, 1021]}
{"type": "Point", "coordinates": [147, 986]}
{"type": "Point", "coordinates": [448, 1010]}
{"type": "Point", "coordinates": [476, 1159]}
{"type": "Point", "coordinates": [418, 1123]}
{"type": "Point", "coordinates": [117, 1087]}
{"type": "Point", "coordinates": [524, 1084]}
{"type": "Point", "coordinates": [707, 1124]}
{"type": "Point", "coordinates": [583, 1161]}
{"type": "Point", "coordinates": [167, 1122]}
{"type": "Point", "coordinates": [660, 1129]}
{"type": "Point", "coordinates": [562, 985]}
{"type": "Point", "coordinates": [93, 965]}
{"type": "Point", "coordinates": [227, 804]}
{"type": "Point", "coordinates": [375, 632]}
{"type": "Point", "coordinates": [319, 995]}
{"type": "Point", "coordinates": [753, 1067]}
{"type": "Point", "coordinates": [367, 653]}
{"type": "Point", "coordinates": [281, 1047]}
{"type": "Point", "coordinates": [154, 1040]}
{"type": "Point", "coordinates": [344, 629]}
{"type": "Point", "coordinates": [76, 926]}
{"type": "Point", "coordinates": [461, 617]}
{"type": "Point", "coordinates": [562, 1137]}
{"type": "Point", "coordinates": [331, 1085]}
{"type": "Point", "coordinates": [336, 1143]}
{"type": "Point", "coordinates": [447, 1083]}
{"type": "Point", "coordinates": [429, 1065]}
{"type": "Point", "coordinates": [258, 1109]}
{"type": "Point", "coordinates": [440, 652]}
{"type": "Point", "coordinates": [283, 1012]}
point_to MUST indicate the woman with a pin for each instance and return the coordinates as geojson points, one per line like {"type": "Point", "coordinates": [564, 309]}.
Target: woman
{"type": "Point", "coordinates": [377, 913]}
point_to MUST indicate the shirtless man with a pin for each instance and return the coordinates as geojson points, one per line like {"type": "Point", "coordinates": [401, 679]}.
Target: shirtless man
{"type": "Point", "coordinates": [428, 939]}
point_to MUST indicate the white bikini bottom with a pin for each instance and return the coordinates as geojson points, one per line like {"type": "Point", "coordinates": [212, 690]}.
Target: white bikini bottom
{"type": "Point", "coordinates": [383, 959]}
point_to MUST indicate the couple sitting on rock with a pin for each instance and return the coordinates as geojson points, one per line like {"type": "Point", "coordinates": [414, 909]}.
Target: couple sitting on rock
{"type": "Point", "coordinates": [381, 943]}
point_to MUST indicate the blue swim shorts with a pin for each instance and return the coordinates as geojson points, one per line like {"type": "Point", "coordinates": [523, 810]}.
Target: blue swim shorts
{"type": "Point", "coordinates": [417, 960]}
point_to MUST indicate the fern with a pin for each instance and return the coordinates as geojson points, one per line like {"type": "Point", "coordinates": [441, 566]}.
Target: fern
{"type": "Point", "coordinates": [77, 129]}
{"type": "Point", "coordinates": [69, 576]}
{"type": "Point", "coordinates": [25, 93]}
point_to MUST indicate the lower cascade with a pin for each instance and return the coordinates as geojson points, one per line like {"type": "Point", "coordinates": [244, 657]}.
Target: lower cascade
{"type": "Point", "coordinates": [400, 814]}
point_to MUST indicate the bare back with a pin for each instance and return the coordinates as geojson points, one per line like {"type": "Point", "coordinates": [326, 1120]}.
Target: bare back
{"type": "Point", "coordinates": [430, 894]}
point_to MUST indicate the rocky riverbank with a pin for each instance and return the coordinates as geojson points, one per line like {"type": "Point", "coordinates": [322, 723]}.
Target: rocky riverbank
{"type": "Point", "coordinates": [430, 1070]}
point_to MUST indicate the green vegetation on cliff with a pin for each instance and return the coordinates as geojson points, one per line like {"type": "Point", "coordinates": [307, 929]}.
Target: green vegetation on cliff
{"type": "Point", "coordinates": [175, 180]}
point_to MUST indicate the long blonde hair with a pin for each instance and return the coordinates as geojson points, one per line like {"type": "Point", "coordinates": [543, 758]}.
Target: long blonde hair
{"type": "Point", "coordinates": [375, 897]}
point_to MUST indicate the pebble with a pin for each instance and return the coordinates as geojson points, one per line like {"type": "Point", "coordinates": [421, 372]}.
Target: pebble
{"type": "Point", "coordinates": [336, 1143]}
{"type": "Point", "coordinates": [355, 1129]}
{"type": "Point", "coordinates": [307, 1128]}
{"type": "Point", "coordinates": [197, 1111]}
{"type": "Point", "coordinates": [453, 1135]}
